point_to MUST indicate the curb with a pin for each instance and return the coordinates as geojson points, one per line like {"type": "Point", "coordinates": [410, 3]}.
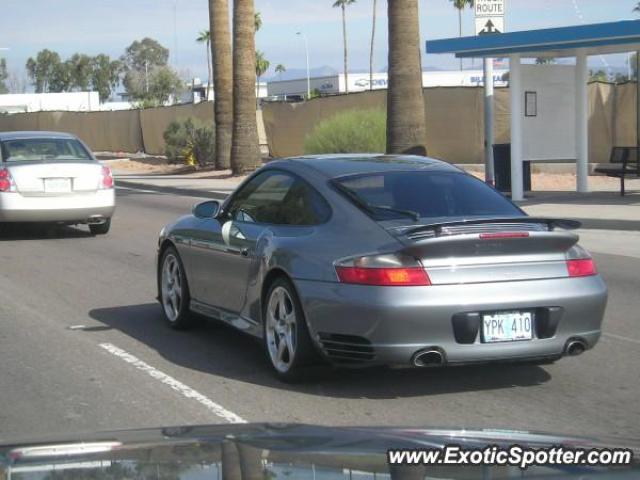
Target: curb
{"type": "Point", "coordinates": [187, 192]}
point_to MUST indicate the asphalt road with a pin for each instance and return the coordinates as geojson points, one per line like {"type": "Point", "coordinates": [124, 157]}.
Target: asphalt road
{"type": "Point", "coordinates": [83, 348]}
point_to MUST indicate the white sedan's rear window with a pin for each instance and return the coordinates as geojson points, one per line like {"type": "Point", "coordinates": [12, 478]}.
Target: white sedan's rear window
{"type": "Point", "coordinates": [26, 149]}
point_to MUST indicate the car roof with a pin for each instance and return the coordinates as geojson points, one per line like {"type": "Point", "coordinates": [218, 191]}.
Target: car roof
{"type": "Point", "coordinates": [33, 134]}
{"type": "Point", "coordinates": [334, 165]}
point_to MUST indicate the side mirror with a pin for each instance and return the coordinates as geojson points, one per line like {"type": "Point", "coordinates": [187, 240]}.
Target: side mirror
{"type": "Point", "coordinates": [208, 209]}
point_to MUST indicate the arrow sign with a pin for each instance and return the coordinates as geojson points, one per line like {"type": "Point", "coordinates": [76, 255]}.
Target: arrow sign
{"type": "Point", "coordinates": [487, 26]}
{"type": "Point", "coordinates": [489, 16]}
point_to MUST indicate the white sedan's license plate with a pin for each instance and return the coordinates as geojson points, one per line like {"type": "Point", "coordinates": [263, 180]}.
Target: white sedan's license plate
{"type": "Point", "coordinates": [57, 185]}
{"type": "Point", "coordinates": [507, 327]}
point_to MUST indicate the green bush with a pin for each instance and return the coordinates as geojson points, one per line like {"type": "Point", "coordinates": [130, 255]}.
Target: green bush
{"type": "Point", "coordinates": [190, 141]}
{"type": "Point", "coordinates": [354, 131]}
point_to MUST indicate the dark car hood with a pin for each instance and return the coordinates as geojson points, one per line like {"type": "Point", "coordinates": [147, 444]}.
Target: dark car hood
{"type": "Point", "coordinates": [266, 450]}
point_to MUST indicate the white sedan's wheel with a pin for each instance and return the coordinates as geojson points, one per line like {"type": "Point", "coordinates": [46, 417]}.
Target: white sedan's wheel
{"type": "Point", "coordinates": [174, 291]}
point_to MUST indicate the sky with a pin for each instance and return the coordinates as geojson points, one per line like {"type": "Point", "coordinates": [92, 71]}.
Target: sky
{"type": "Point", "coordinates": [109, 26]}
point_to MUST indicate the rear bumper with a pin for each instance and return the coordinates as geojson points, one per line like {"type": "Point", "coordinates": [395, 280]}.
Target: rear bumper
{"type": "Point", "coordinates": [388, 325]}
{"type": "Point", "coordinates": [77, 207]}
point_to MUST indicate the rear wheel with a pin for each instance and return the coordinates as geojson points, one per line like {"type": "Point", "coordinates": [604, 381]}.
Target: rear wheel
{"type": "Point", "coordinates": [174, 290]}
{"type": "Point", "coordinates": [100, 228]}
{"type": "Point", "coordinates": [286, 337]}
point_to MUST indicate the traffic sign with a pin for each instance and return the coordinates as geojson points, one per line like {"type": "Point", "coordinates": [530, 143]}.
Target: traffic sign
{"type": "Point", "coordinates": [489, 25]}
{"type": "Point", "coordinates": [489, 16]}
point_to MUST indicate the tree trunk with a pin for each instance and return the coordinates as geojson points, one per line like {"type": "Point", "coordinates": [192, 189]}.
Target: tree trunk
{"type": "Point", "coordinates": [245, 151]}
{"type": "Point", "coordinates": [344, 39]}
{"type": "Point", "coordinates": [221, 56]}
{"type": "Point", "coordinates": [373, 41]}
{"type": "Point", "coordinates": [406, 130]}
{"type": "Point", "coordinates": [210, 69]}
{"type": "Point", "coordinates": [460, 30]}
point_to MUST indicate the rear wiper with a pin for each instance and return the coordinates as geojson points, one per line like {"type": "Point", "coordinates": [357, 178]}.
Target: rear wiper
{"type": "Point", "coordinates": [368, 207]}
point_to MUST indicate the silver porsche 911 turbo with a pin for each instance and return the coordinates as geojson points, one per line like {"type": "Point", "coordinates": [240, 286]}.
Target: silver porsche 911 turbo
{"type": "Point", "coordinates": [53, 177]}
{"type": "Point", "coordinates": [396, 260]}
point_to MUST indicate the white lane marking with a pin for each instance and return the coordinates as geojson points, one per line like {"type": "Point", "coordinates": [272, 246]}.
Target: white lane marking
{"type": "Point", "coordinates": [619, 337]}
{"type": "Point", "coordinates": [176, 385]}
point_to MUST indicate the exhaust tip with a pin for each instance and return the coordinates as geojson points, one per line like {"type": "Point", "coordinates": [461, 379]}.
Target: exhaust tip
{"type": "Point", "coordinates": [431, 357]}
{"type": "Point", "coordinates": [575, 347]}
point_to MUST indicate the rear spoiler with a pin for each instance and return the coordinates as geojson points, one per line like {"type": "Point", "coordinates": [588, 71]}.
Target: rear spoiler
{"type": "Point", "coordinates": [551, 223]}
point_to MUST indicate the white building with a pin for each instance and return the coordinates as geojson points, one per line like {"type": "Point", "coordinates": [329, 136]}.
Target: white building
{"type": "Point", "coordinates": [39, 102]}
{"type": "Point", "coordinates": [199, 91]}
{"type": "Point", "coordinates": [359, 82]}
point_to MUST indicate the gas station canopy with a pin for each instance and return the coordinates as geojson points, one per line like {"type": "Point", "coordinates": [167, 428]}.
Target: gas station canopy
{"type": "Point", "coordinates": [596, 39]}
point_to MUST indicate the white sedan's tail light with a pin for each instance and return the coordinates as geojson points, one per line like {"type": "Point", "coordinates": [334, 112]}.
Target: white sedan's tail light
{"type": "Point", "coordinates": [107, 178]}
{"type": "Point", "coordinates": [383, 270]}
{"type": "Point", "coordinates": [6, 181]}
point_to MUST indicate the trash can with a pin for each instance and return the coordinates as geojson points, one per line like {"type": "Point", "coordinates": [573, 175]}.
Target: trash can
{"type": "Point", "coordinates": [502, 168]}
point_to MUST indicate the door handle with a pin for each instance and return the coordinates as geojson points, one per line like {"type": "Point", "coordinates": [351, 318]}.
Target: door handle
{"type": "Point", "coordinates": [244, 252]}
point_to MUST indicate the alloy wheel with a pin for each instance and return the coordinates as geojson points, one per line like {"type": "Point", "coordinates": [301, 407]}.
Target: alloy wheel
{"type": "Point", "coordinates": [281, 329]}
{"type": "Point", "coordinates": [171, 287]}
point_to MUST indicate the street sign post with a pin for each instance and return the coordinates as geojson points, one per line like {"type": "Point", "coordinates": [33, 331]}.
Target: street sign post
{"type": "Point", "coordinates": [489, 16]}
{"type": "Point", "coordinates": [489, 20]}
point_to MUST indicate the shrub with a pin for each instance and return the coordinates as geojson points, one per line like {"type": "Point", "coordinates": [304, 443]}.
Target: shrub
{"type": "Point", "coordinates": [354, 131]}
{"type": "Point", "coordinates": [190, 141]}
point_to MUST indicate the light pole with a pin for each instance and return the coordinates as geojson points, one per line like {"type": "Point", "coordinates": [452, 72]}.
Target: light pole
{"type": "Point", "coordinates": [306, 49]}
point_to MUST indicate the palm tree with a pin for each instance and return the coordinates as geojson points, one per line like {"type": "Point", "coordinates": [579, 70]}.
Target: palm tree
{"type": "Point", "coordinates": [245, 152]}
{"type": "Point", "coordinates": [373, 40]}
{"type": "Point", "coordinates": [343, 5]}
{"type": "Point", "coordinates": [406, 129]}
{"type": "Point", "coordinates": [205, 37]}
{"type": "Point", "coordinates": [280, 69]}
{"type": "Point", "coordinates": [262, 65]}
{"type": "Point", "coordinates": [222, 79]}
{"type": "Point", "coordinates": [637, 8]}
{"type": "Point", "coordinates": [257, 17]}
{"type": "Point", "coordinates": [461, 5]}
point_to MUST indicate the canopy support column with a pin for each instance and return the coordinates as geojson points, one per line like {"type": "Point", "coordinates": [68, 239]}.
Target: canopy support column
{"type": "Point", "coordinates": [489, 175]}
{"type": "Point", "coordinates": [515, 87]}
{"type": "Point", "coordinates": [582, 122]}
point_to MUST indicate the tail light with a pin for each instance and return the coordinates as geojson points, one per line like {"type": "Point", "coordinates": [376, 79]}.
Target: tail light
{"type": "Point", "coordinates": [6, 181]}
{"type": "Point", "coordinates": [107, 178]}
{"type": "Point", "coordinates": [383, 270]}
{"type": "Point", "coordinates": [580, 263]}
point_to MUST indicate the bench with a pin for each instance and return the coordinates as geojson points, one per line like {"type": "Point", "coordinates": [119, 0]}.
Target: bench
{"type": "Point", "coordinates": [623, 164]}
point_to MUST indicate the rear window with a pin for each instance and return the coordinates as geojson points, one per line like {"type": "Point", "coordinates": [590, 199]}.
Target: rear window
{"type": "Point", "coordinates": [26, 149]}
{"type": "Point", "coordinates": [400, 195]}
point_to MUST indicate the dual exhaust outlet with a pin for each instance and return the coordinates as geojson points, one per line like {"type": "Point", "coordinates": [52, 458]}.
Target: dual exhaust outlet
{"type": "Point", "coordinates": [434, 357]}
{"type": "Point", "coordinates": [429, 357]}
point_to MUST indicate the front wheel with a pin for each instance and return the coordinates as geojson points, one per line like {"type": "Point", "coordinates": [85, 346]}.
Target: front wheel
{"type": "Point", "coordinates": [100, 228]}
{"type": "Point", "coordinates": [286, 337]}
{"type": "Point", "coordinates": [174, 290]}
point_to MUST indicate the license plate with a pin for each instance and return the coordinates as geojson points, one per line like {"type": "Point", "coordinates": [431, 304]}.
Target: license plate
{"type": "Point", "coordinates": [507, 327]}
{"type": "Point", "coordinates": [57, 185]}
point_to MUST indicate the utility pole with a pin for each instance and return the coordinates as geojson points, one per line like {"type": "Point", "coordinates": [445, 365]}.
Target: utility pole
{"type": "Point", "coordinates": [306, 49]}
{"type": "Point", "coordinates": [146, 76]}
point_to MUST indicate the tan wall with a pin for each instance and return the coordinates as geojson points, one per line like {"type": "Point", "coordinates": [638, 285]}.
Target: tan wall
{"type": "Point", "coordinates": [625, 108]}
{"type": "Point", "coordinates": [287, 124]}
{"type": "Point", "coordinates": [114, 131]}
{"type": "Point", "coordinates": [154, 121]}
{"type": "Point", "coordinates": [454, 117]}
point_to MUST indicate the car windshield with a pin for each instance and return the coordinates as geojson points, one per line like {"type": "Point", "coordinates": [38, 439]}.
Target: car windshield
{"type": "Point", "coordinates": [411, 194]}
{"type": "Point", "coordinates": [29, 149]}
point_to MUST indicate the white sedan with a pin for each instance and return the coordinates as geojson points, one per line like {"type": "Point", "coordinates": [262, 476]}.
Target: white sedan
{"type": "Point", "coordinates": [54, 178]}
